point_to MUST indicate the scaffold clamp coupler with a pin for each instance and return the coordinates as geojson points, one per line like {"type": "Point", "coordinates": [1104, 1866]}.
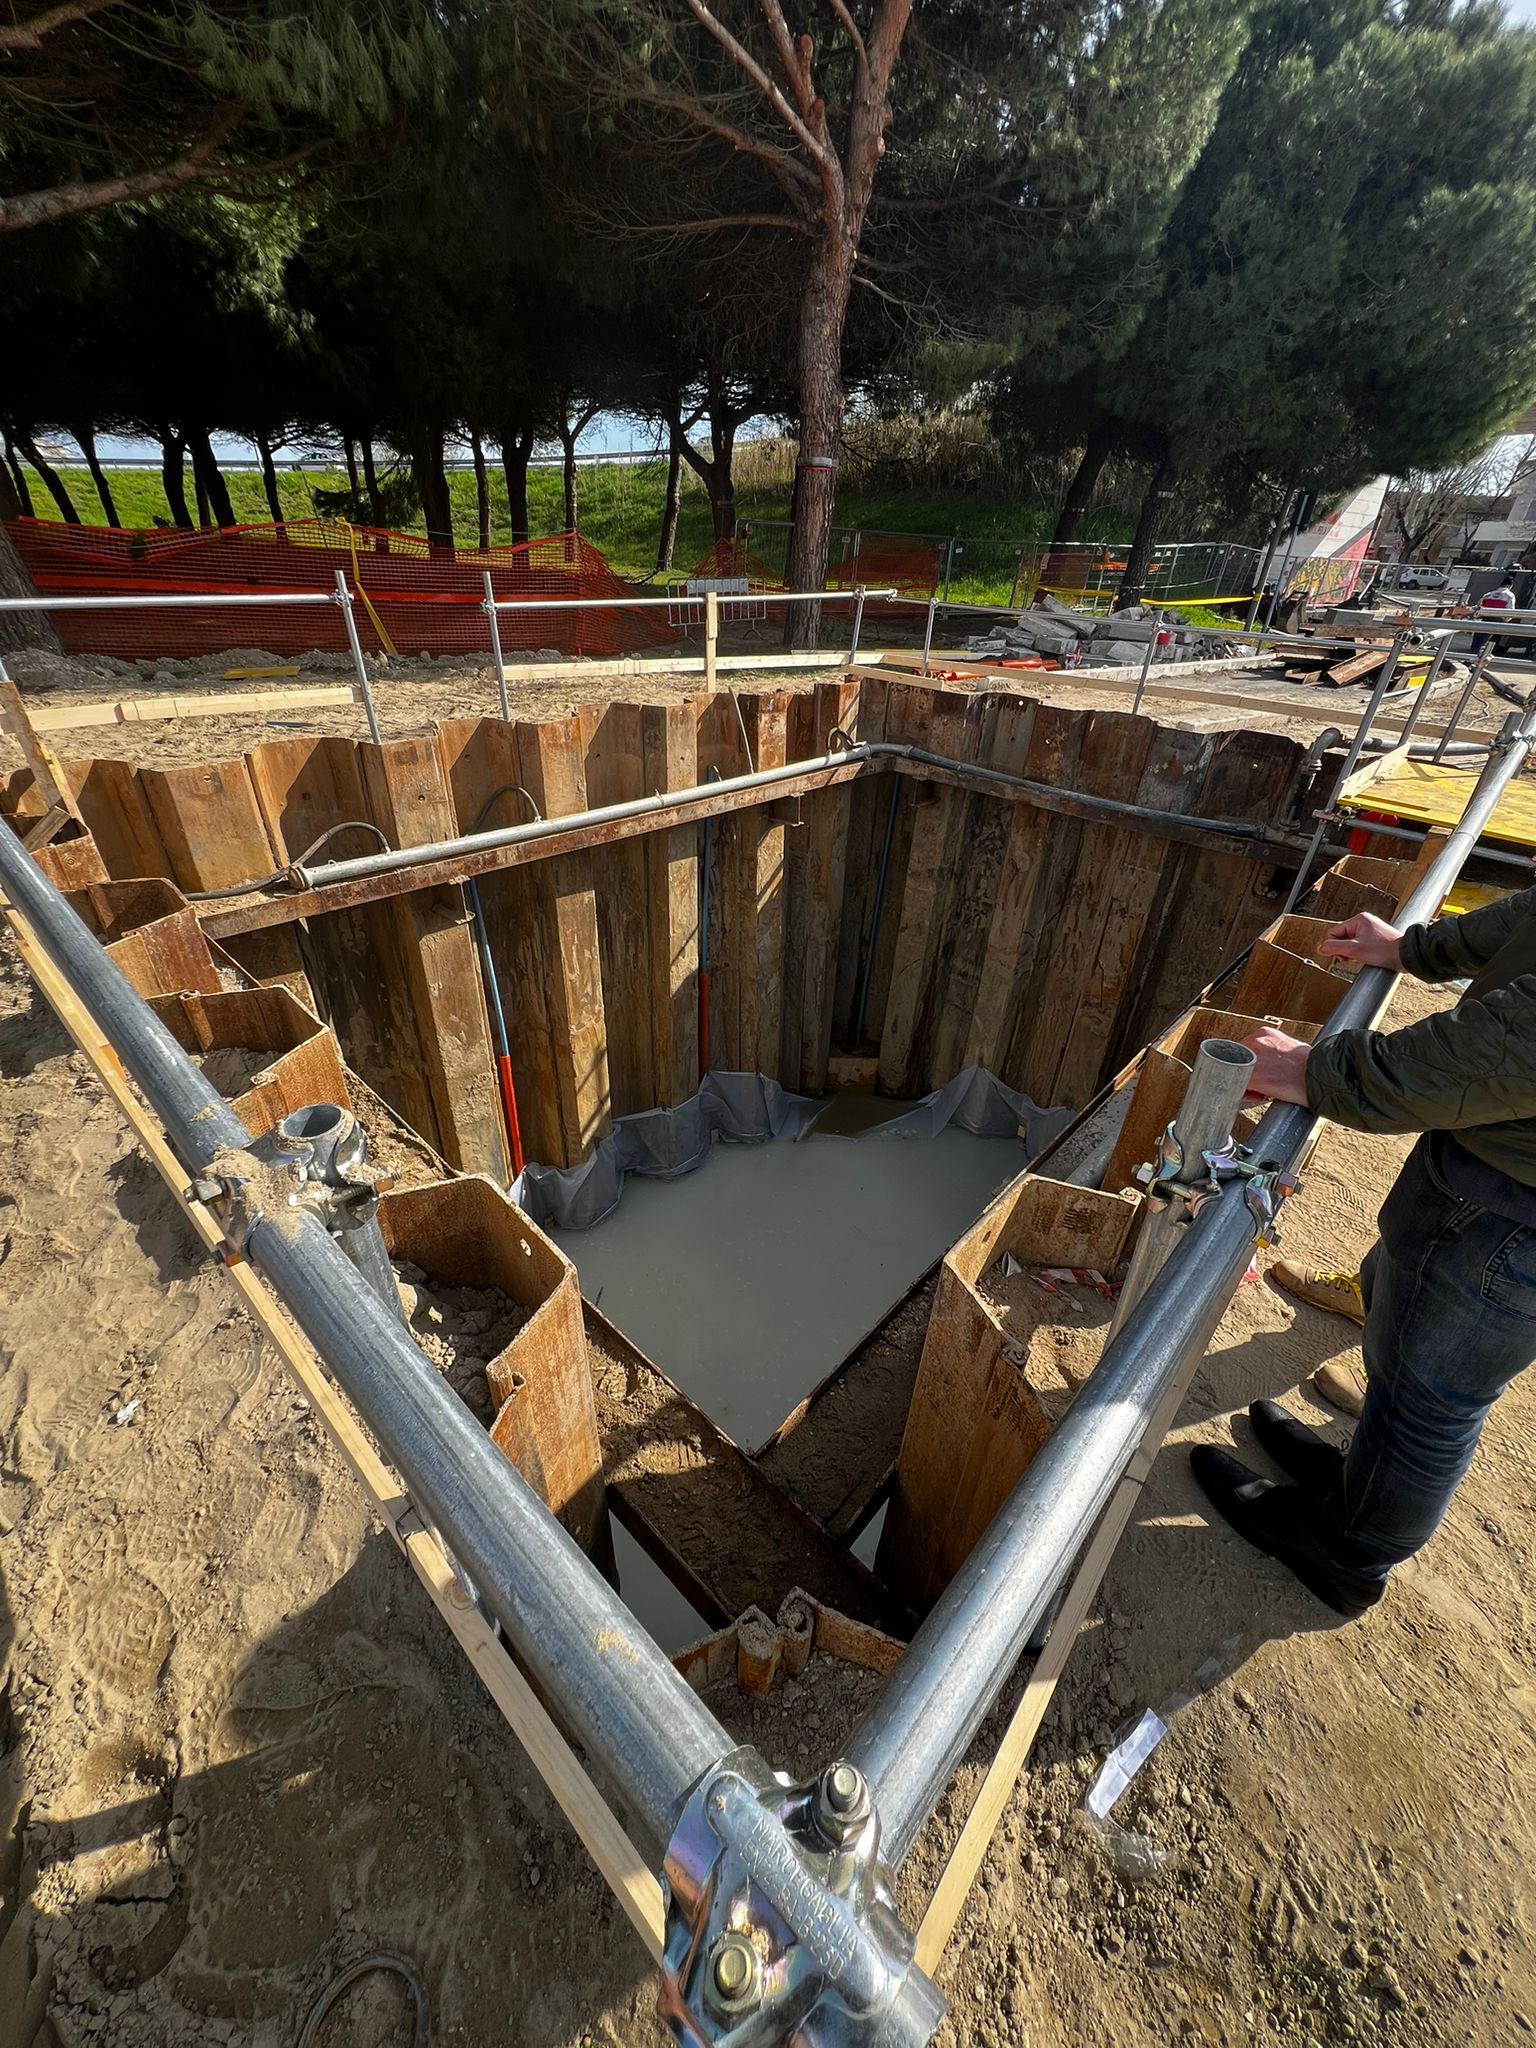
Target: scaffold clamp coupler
{"type": "Point", "coordinates": [227, 1195]}
{"type": "Point", "coordinates": [780, 1922]}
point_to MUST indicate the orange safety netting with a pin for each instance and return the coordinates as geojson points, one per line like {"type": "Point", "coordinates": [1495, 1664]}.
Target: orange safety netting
{"type": "Point", "coordinates": [733, 558]}
{"type": "Point", "coordinates": [427, 600]}
{"type": "Point", "coordinates": [884, 561]}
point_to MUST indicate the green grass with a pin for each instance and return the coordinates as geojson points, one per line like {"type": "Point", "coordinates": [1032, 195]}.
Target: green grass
{"type": "Point", "coordinates": [619, 511]}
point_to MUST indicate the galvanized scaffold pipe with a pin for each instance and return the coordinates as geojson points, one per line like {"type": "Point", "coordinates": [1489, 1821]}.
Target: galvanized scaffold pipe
{"type": "Point", "coordinates": [939, 1694]}
{"type": "Point", "coordinates": [779, 1908]}
{"type": "Point", "coordinates": [649, 1732]}
{"type": "Point", "coordinates": [1200, 1134]}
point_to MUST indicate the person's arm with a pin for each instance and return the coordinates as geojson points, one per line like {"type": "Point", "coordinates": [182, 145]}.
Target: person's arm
{"type": "Point", "coordinates": [1472, 1065]}
{"type": "Point", "coordinates": [1447, 950]}
{"type": "Point", "coordinates": [1452, 947]}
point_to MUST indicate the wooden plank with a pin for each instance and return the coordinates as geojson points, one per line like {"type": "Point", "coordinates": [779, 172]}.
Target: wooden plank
{"type": "Point", "coordinates": [48, 778]}
{"type": "Point", "coordinates": [210, 823]}
{"type": "Point", "coordinates": [274, 959]}
{"type": "Point", "coordinates": [908, 716]}
{"type": "Point", "coordinates": [1268, 845]}
{"type": "Point", "coordinates": [767, 722]}
{"type": "Point", "coordinates": [1217, 904]}
{"type": "Point", "coordinates": [554, 774]}
{"type": "Point", "coordinates": [975, 1423]}
{"type": "Point", "coordinates": [466, 1233]}
{"type": "Point", "coordinates": [949, 1896]}
{"type": "Point", "coordinates": [827, 832]}
{"type": "Point", "coordinates": [72, 864]}
{"type": "Point", "coordinates": [1279, 983]}
{"type": "Point", "coordinates": [917, 965]}
{"type": "Point", "coordinates": [1359, 883]}
{"type": "Point", "coordinates": [1007, 728]}
{"type": "Point", "coordinates": [150, 710]}
{"type": "Point", "coordinates": [1031, 1054]}
{"type": "Point", "coordinates": [731, 941]}
{"type": "Point", "coordinates": [868, 809]}
{"type": "Point", "coordinates": [1051, 756]}
{"type": "Point", "coordinates": [1133, 867]}
{"type": "Point", "coordinates": [483, 767]}
{"type": "Point", "coordinates": [1356, 667]}
{"type": "Point", "coordinates": [1429, 852]}
{"type": "Point", "coordinates": [1112, 763]}
{"type": "Point", "coordinates": [676, 1473]}
{"type": "Point", "coordinates": [669, 742]}
{"type": "Point", "coordinates": [304, 788]}
{"type": "Point", "coordinates": [615, 773]}
{"type": "Point", "coordinates": [622, 1867]}
{"type": "Point", "coordinates": [408, 799]}
{"type": "Point", "coordinates": [111, 802]}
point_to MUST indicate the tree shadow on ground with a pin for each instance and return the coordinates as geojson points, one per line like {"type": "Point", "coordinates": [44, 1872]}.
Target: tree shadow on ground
{"type": "Point", "coordinates": [344, 1785]}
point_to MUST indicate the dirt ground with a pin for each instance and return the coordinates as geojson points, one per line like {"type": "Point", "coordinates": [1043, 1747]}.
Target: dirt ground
{"type": "Point", "coordinates": [238, 1751]}
{"type": "Point", "coordinates": [411, 694]}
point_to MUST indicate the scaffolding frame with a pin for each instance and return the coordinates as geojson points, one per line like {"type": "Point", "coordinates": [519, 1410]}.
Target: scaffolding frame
{"type": "Point", "coordinates": [779, 1924]}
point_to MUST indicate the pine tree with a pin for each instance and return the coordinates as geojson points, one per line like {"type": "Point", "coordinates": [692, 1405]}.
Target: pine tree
{"type": "Point", "coordinates": [106, 103]}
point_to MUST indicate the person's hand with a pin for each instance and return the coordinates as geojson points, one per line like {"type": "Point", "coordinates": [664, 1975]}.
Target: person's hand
{"type": "Point", "coordinates": [1279, 1066]}
{"type": "Point", "coordinates": [1367, 940]}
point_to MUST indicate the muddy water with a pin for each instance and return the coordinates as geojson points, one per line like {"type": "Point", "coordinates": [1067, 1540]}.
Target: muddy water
{"type": "Point", "coordinates": [749, 1280]}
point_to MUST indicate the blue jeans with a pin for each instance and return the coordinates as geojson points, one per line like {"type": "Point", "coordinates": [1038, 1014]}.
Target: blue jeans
{"type": "Point", "coordinates": [1450, 1293]}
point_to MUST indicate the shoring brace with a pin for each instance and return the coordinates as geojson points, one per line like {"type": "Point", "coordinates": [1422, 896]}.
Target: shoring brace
{"type": "Point", "coordinates": [781, 1927]}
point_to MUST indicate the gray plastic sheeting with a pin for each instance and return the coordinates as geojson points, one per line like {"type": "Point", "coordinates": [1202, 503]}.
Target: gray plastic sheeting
{"type": "Point", "coordinates": [749, 1109]}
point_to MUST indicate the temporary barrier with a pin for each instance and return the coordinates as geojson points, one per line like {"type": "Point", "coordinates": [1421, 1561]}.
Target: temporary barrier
{"type": "Point", "coordinates": [411, 598]}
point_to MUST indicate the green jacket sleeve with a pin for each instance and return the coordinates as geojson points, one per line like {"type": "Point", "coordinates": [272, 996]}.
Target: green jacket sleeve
{"type": "Point", "coordinates": [1475, 1064]}
{"type": "Point", "coordinates": [1455, 946]}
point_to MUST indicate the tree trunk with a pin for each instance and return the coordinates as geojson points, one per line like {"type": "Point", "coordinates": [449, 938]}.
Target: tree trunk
{"type": "Point", "coordinates": [173, 477]}
{"type": "Point", "coordinates": [516, 452]}
{"type": "Point", "coordinates": [85, 434]}
{"type": "Point", "coordinates": [568, 472]}
{"type": "Point", "coordinates": [209, 478]}
{"type": "Point", "coordinates": [18, 629]}
{"type": "Point", "coordinates": [482, 491]}
{"type": "Point", "coordinates": [51, 478]}
{"type": "Point", "coordinates": [269, 479]}
{"type": "Point", "coordinates": [17, 478]}
{"type": "Point", "coordinates": [823, 315]}
{"type": "Point", "coordinates": [672, 505]}
{"type": "Point", "coordinates": [1149, 526]}
{"type": "Point", "coordinates": [371, 482]}
{"type": "Point", "coordinates": [424, 448]}
{"type": "Point", "coordinates": [1082, 487]}
{"type": "Point", "coordinates": [349, 456]}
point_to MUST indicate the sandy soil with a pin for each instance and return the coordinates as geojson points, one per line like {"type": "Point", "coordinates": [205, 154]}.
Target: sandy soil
{"type": "Point", "coordinates": [237, 1750]}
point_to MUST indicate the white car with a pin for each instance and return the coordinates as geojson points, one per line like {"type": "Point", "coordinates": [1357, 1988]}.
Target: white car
{"type": "Point", "coordinates": [1422, 577]}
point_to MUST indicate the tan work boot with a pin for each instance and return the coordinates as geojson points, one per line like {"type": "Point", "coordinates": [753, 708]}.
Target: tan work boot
{"type": "Point", "coordinates": [1322, 1286]}
{"type": "Point", "coordinates": [1341, 1384]}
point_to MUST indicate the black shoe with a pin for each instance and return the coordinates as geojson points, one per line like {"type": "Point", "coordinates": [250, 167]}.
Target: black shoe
{"type": "Point", "coordinates": [1307, 1457]}
{"type": "Point", "coordinates": [1282, 1521]}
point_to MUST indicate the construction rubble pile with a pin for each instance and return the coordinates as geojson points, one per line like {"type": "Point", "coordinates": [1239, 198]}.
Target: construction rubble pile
{"type": "Point", "coordinates": [1054, 632]}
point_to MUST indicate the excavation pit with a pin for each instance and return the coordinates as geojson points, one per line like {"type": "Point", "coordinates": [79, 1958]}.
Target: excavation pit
{"type": "Point", "coordinates": [753, 1278]}
{"type": "Point", "coordinates": [986, 885]}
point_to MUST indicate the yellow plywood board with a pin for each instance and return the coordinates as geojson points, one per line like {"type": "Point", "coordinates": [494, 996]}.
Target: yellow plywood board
{"type": "Point", "coordinates": [1436, 793]}
{"type": "Point", "coordinates": [1471, 896]}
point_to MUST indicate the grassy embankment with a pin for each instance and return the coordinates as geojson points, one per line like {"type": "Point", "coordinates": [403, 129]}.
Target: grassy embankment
{"type": "Point", "coordinates": [620, 513]}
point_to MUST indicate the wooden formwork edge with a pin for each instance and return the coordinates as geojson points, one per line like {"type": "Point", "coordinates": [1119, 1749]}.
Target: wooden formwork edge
{"type": "Point", "coordinates": [950, 1894]}
{"type": "Point", "coordinates": [636, 1888]}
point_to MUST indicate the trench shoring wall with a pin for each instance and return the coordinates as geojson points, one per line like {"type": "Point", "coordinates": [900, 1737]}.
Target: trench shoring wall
{"type": "Point", "coordinates": [1041, 945]}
